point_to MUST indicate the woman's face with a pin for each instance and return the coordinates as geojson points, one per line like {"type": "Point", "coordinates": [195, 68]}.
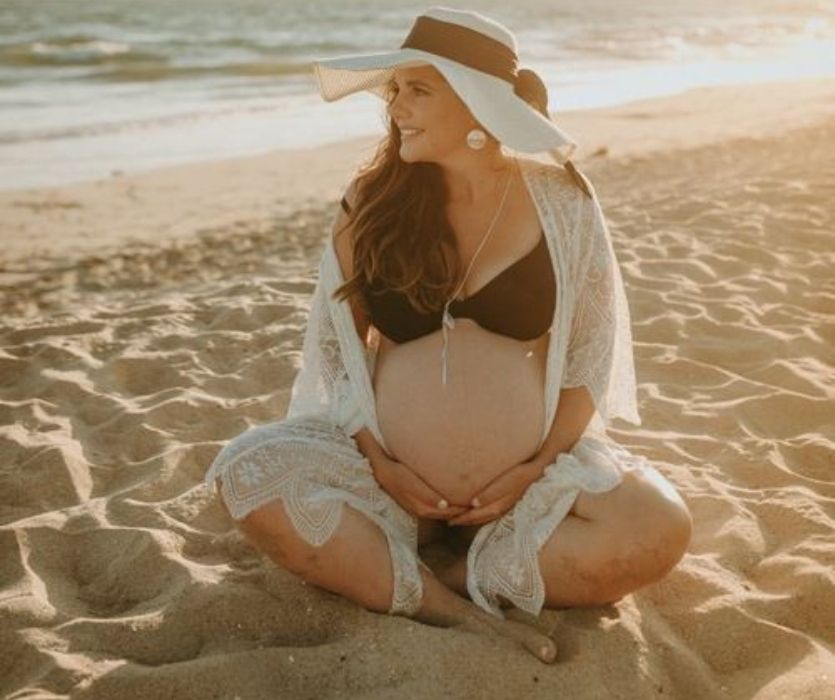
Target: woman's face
{"type": "Point", "coordinates": [422, 99]}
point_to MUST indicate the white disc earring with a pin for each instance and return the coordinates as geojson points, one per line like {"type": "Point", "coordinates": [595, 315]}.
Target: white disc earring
{"type": "Point", "coordinates": [476, 139]}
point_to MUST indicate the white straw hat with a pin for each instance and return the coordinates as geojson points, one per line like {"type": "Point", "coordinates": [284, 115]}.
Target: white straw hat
{"type": "Point", "coordinates": [477, 56]}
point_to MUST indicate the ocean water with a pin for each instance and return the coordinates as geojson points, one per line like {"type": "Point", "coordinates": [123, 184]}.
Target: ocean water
{"type": "Point", "coordinates": [88, 88]}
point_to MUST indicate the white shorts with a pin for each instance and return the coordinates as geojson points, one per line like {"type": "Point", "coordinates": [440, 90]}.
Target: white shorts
{"type": "Point", "coordinates": [314, 467]}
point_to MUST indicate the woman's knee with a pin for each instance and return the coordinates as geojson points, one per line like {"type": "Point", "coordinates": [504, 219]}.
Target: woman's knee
{"type": "Point", "coordinates": [269, 529]}
{"type": "Point", "coordinates": [653, 528]}
{"type": "Point", "coordinates": [664, 516]}
{"type": "Point", "coordinates": [347, 563]}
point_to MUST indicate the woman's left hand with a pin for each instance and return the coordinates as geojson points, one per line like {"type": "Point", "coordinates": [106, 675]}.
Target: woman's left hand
{"type": "Point", "coordinates": [501, 494]}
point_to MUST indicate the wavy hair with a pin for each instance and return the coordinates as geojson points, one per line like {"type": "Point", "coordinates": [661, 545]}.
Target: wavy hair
{"type": "Point", "coordinates": [402, 239]}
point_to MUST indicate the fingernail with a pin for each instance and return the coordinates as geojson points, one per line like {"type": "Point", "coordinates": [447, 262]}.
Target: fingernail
{"type": "Point", "coordinates": [476, 503]}
{"type": "Point", "coordinates": [442, 504]}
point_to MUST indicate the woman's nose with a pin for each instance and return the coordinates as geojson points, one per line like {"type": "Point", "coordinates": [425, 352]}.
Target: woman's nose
{"type": "Point", "coordinates": [396, 106]}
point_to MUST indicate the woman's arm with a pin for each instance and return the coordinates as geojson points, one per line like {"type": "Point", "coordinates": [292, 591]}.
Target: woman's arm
{"type": "Point", "coordinates": [574, 411]}
{"type": "Point", "coordinates": [343, 246]}
{"type": "Point", "coordinates": [368, 445]}
{"type": "Point", "coordinates": [350, 414]}
{"type": "Point", "coordinates": [590, 349]}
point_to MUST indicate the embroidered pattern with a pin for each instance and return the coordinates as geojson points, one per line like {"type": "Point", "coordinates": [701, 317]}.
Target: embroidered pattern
{"type": "Point", "coordinates": [314, 467]}
{"type": "Point", "coordinates": [310, 461]}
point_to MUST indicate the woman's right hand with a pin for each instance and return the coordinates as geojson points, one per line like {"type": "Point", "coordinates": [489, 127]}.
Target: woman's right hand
{"type": "Point", "coordinates": [411, 492]}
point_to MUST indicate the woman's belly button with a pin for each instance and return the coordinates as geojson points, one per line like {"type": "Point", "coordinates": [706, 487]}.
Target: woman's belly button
{"type": "Point", "coordinates": [488, 418]}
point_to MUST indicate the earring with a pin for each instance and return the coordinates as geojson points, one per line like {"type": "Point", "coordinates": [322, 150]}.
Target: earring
{"type": "Point", "coordinates": [476, 139]}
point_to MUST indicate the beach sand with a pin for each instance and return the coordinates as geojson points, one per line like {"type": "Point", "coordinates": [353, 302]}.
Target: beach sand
{"type": "Point", "coordinates": [167, 319]}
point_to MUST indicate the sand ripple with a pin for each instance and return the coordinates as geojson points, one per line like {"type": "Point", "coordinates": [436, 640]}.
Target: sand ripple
{"type": "Point", "coordinates": [121, 378]}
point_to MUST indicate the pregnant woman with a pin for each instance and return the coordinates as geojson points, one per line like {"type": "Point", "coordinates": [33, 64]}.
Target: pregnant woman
{"type": "Point", "coordinates": [467, 344]}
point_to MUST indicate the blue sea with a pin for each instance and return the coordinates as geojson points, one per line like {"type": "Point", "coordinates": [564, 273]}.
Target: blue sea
{"type": "Point", "coordinates": [88, 88]}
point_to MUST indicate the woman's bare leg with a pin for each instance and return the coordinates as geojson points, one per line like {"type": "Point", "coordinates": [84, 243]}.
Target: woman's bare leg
{"type": "Point", "coordinates": [617, 541]}
{"type": "Point", "coordinates": [358, 545]}
{"type": "Point", "coordinates": [576, 550]}
{"type": "Point", "coordinates": [608, 544]}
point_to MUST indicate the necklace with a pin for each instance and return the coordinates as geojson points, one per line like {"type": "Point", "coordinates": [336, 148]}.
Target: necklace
{"type": "Point", "coordinates": [448, 322]}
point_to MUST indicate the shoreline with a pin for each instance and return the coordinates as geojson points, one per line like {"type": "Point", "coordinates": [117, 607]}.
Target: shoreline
{"type": "Point", "coordinates": [63, 223]}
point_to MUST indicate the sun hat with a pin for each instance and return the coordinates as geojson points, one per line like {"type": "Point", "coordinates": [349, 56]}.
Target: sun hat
{"type": "Point", "coordinates": [478, 58]}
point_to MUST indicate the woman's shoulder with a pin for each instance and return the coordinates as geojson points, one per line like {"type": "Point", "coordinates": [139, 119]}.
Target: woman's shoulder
{"type": "Point", "coordinates": [559, 190]}
{"type": "Point", "coordinates": [558, 177]}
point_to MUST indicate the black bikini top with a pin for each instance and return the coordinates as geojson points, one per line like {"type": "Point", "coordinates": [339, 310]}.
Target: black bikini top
{"type": "Point", "coordinates": [518, 303]}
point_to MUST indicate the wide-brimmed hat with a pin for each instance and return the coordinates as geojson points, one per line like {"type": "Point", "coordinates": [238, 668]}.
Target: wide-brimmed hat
{"type": "Point", "coordinates": [478, 58]}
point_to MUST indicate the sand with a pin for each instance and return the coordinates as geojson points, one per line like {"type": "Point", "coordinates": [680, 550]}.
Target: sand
{"type": "Point", "coordinates": [171, 321]}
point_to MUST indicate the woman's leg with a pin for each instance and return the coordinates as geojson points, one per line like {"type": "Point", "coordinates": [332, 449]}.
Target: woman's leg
{"type": "Point", "coordinates": [359, 546]}
{"type": "Point", "coordinates": [453, 572]}
{"type": "Point", "coordinates": [356, 561]}
{"type": "Point", "coordinates": [615, 542]}
{"type": "Point", "coordinates": [608, 544]}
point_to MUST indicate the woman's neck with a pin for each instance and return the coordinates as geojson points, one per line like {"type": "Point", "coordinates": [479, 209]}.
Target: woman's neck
{"type": "Point", "coordinates": [477, 184]}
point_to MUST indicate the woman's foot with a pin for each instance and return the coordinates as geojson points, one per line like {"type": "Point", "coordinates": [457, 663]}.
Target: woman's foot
{"type": "Point", "coordinates": [540, 645]}
{"type": "Point", "coordinates": [463, 614]}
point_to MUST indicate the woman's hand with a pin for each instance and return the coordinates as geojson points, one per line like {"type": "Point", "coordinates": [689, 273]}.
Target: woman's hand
{"type": "Point", "coordinates": [411, 492]}
{"type": "Point", "coordinates": [501, 494]}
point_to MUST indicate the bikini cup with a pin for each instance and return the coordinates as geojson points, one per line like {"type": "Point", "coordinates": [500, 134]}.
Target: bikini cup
{"type": "Point", "coordinates": [518, 303]}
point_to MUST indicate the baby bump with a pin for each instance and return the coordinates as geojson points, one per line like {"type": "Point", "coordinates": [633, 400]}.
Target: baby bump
{"type": "Point", "coordinates": [487, 418]}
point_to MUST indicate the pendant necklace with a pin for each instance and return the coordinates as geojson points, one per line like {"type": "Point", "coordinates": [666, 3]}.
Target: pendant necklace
{"type": "Point", "coordinates": [447, 321]}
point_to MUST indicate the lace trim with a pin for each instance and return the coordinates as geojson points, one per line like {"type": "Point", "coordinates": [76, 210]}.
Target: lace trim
{"type": "Point", "coordinates": [503, 556]}
{"type": "Point", "coordinates": [314, 468]}
{"type": "Point", "coordinates": [332, 390]}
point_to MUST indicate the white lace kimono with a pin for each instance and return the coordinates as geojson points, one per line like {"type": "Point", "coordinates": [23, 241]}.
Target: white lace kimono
{"type": "Point", "coordinates": [332, 398]}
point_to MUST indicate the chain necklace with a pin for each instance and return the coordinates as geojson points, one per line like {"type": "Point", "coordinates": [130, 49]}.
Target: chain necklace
{"type": "Point", "coordinates": [447, 321]}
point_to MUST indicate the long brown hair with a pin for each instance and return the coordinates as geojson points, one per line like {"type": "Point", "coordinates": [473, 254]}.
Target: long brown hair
{"type": "Point", "coordinates": [402, 239]}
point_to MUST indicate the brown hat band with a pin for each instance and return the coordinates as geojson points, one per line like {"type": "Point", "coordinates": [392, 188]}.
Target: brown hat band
{"type": "Point", "coordinates": [464, 45]}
